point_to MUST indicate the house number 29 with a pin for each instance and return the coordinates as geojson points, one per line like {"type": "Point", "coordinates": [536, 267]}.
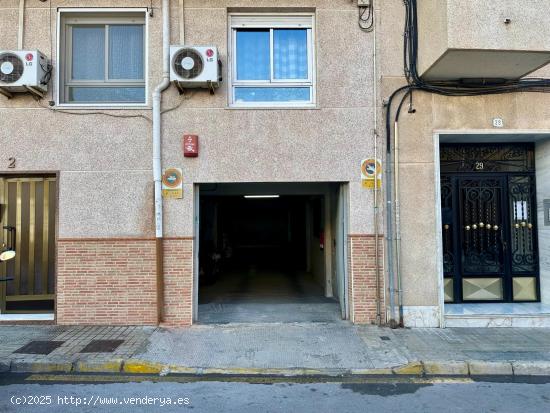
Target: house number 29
{"type": "Point", "coordinates": [11, 163]}
{"type": "Point", "coordinates": [479, 166]}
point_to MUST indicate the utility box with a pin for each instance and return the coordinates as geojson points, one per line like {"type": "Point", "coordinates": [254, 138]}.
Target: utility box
{"type": "Point", "coordinates": [489, 39]}
{"type": "Point", "coordinates": [190, 146]}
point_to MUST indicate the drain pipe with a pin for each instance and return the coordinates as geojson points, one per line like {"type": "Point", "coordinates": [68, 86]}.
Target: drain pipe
{"type": "Point", "coordinates": [397, 222]}
{"type": "Point", "coordinates": [182, 22]}
{"type": "Point", "coordinates": [389, 235]}
{"type": "Point", "coordinates": [376, 189]}
{"type": "Point", "coordinates": [21, 27]}
{"type": "Point", "coordinates": [157, 153]}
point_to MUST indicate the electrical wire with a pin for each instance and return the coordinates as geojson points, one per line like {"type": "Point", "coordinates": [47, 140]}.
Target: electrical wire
{"type": "Point", "coordinates": [185, 97]}
{"type": "Point", "coordinates": [455, 87]}
{"type": "Point", "coordinates": [87, 113]}
{"type": "Point", "coordinates": [366, 17]}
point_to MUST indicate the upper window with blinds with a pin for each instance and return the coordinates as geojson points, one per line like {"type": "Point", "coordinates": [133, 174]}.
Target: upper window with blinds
{"type": "Point", "coordinates": [102, 58]}
{"type": "Point", "coordinates": [272, 60]}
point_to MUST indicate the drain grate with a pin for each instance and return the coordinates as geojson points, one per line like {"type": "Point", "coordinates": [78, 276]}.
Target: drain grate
{"type": "Point", "coordinates": [102, 346]}
{"type": "Point", "coordinates": [385, 338]}
{"type": "Point", "coordinates": [39, 347]}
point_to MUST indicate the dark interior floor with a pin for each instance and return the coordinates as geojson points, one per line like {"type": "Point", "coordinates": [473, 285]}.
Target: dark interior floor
{"type": "Point", "coordinates": [265, 296]}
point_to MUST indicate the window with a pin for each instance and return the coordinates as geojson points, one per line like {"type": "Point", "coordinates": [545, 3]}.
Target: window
{"type": "Point", "coordinates": [272, 60]}
{"type": "Point", "coordinates": [102, 58]}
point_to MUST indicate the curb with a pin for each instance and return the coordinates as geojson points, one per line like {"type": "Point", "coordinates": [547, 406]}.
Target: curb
{"type": "Point", "coordinates": [470, 368]}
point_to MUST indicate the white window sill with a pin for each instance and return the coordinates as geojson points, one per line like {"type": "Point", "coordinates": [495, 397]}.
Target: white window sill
{"type": "Point", "coordinates": [102, 107]}
{"type": "Point", "coordinates": [273, 107]}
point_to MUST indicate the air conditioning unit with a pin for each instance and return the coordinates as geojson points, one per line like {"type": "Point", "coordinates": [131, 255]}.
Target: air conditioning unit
{"type": "Point", "coordinates": [195, 67]}
{"type": "Point", "coordinates": [24, 71]}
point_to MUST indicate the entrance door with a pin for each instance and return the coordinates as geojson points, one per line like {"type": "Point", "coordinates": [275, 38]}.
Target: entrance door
{"type": "Point", "coordinates": [489, 223]}
{"type": "Point", "coordinates": [27, 218]}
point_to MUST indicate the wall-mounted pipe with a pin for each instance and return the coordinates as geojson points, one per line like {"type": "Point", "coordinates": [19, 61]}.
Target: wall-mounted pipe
{"type": "Point", "coordinates": [21, 27]}
{"type": "Point", "coordinates": [157, 154]}
{"type": "Point", "coordinates": [182, 22]}
{"type": "Point", "coordinates": [397, 222]}
{"type": "Point", "coordinates": [376, 189]}
{"type": "Point", "coordinates": [389, 234]}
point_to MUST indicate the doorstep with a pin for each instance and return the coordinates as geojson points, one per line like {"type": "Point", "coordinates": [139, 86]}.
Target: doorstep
{"type": "Point", "coordinates": [497, 315]}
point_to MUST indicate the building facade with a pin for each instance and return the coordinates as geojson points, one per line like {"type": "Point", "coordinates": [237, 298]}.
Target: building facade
{"type": "Point", "coordinates": [276, 207]}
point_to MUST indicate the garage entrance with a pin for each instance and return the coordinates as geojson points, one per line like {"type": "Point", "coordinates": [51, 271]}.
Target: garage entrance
{"type": "Point", "coordinates": [270, 253]}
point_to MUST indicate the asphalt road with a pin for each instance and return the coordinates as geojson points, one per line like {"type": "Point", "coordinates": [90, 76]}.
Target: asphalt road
{"type": "Point", "coordinates": [98, 394]}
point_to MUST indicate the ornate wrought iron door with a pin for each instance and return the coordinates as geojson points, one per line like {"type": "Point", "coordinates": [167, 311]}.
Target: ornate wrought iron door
{"type": "Point", "coordinates": [489, 223]}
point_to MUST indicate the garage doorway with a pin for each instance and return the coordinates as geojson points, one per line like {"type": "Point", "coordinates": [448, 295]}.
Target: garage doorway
{"type": "Point", "coordinates": [270, 253]}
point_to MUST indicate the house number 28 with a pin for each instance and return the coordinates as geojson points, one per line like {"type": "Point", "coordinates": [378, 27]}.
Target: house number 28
{"type": "Point", "coordinates": [11, 163]}
{"type": "Point", "coordinates": [479, 166]}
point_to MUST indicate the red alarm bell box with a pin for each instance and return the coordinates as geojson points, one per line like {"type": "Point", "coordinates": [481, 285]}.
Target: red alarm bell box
{"type": "Point", "coordinates": [190, 146]}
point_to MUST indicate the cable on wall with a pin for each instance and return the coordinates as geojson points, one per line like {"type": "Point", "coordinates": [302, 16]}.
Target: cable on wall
{"type": "Point", "coordinates": [366, 17]}
{"type": "Point", "coordinates": [455, 87]}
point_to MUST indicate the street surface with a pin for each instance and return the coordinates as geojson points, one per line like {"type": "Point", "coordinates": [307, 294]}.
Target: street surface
{"type": "Point", "coordinates": [73, 394]}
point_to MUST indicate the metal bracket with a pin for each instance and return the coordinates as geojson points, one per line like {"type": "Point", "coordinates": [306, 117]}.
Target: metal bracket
{"type": "Point", "coordinates": [6, 93]}
{"type": "Point", "coordinates": [181, 90]}
{"type": "Point", "coordinates": [38, 93]}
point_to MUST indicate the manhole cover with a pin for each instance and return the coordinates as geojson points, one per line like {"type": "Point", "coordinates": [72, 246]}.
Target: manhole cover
{"type": "Point", "coordinates": [39, 347]}
{"type": "Point", "coordinates": [102, 346]}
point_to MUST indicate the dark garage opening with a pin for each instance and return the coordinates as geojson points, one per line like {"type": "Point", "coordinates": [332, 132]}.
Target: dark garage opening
{"type": "Point", "coordinates": [262, 259]}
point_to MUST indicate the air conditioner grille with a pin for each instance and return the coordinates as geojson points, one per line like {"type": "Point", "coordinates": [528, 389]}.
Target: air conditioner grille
{"type": "Point", "coordinates": [182, 66]}
{"type": "Point", "coordinates": [11, 68]}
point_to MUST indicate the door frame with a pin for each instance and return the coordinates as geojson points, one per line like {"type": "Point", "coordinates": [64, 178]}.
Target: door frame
{"type": "Point", "coordinates": [55, 175]}
{"type": "Point", "coordinates": [324, 189]}
{"type": "Point", "coordinates": [472, 136]}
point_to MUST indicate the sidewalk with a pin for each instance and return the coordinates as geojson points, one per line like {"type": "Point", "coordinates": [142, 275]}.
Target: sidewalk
{"type": "Point", "coordinates": [338, 348]}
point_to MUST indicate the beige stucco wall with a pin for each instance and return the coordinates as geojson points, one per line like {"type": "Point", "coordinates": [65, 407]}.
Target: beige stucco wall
{"type": "Point", "coordinates": [420, 255]}
{"type": "Point", "coordinates": [105, 163]}
{"type": "Point", "coordinates": [542, 159]}
{"type": "Point", "coordinates": [448, 26]}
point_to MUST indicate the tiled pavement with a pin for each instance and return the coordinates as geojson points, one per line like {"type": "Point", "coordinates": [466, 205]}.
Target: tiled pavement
{"type": "Point", "coordinates": [74, 338]}
{"type": "Point", "coordinates": [338, 345]}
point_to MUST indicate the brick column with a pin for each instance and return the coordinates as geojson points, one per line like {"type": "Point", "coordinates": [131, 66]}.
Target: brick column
{"type": "Point", "coordinates": [178, 282]}
{"type": "Point", "coordinates": [362, 274]}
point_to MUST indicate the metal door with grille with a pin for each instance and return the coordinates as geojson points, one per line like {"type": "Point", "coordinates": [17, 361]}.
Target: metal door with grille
{"type": "Point", "coordinates": [489, 223]}
{"type": "Point", "coordinates": [27, 213]}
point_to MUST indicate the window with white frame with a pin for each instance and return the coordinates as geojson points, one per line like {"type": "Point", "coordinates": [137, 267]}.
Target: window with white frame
{"type": "Point", "coordinates": [102, 58]}
{"type": "Point", "coordinates": [272, 59]}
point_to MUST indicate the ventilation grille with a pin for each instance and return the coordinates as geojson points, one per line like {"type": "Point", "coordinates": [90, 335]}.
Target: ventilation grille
{"type": "Point", "coordinates": [11, 68]}
{"type": "Point", "coordinates": [181, 71]}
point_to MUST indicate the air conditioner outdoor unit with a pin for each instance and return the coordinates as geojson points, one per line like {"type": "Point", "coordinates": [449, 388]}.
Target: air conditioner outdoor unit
{"type": "Point", "coordinates": [24, 71]}
{"type": "Point", "coordinates": [195, 67]}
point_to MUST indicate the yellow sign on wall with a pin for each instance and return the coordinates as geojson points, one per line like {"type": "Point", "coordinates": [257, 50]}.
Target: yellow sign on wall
{"type": "Point", "coordinates": [172, 183]}
{"type": "Point", "coordinates": [371, 173]}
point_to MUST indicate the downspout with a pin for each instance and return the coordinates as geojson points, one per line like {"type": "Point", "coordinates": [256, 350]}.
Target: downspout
{"type": "Point", "coordinates": [397, 222]}
{"type": "Point", "coordinates": [157, 153]}
{"type": "Point", "coordinates": [21, 27]}
{"type": "Point", "coordinates": [389, 235]}
{"type": "Point", "coordinates": [376, 189]}
{"type": "Point", "coordinates": [182, 22]}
